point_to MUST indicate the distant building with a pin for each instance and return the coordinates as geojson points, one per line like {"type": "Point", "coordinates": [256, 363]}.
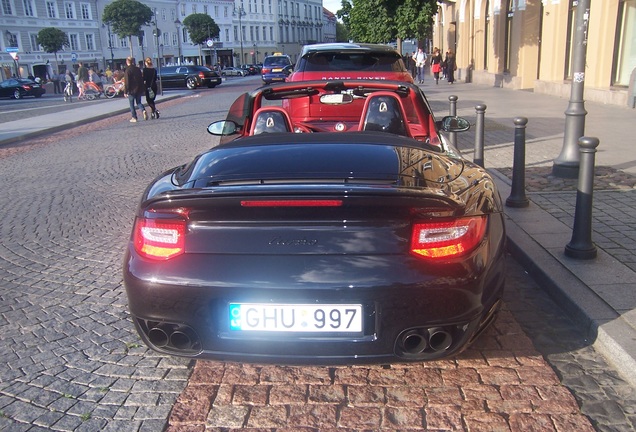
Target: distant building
{"type": "Point", "coordinates": [249, 31]}
{"type": "Point", "coordinates": [523, 44]}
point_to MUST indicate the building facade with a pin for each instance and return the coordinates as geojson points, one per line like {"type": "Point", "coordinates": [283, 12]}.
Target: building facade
{"type": "Point", "coordinates": [249, 31]}
{"type": "Point", "coordinates": [528, 44]}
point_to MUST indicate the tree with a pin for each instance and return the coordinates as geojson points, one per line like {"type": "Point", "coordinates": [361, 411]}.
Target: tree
{"type": "Point", "coordinates": [53, 40]}
{"type": "Point", "coordinates": [201, 27]}
{"type": "Point", "coordinates": [126, 17]}
{"type": "Point", "coordinates": [342, 34]}
{"type": "Point", "coordinates": [380, 21]}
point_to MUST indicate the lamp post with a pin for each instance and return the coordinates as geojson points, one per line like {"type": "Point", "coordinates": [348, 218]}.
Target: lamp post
{"type": "Point", "coordinates": [240, 12]}
{"type": "Point", "coordinates": [110, 47]}
{"type": "Point", "coordinates": [178, 24]}
{"type": "Point", "coordinates": [157, 33]}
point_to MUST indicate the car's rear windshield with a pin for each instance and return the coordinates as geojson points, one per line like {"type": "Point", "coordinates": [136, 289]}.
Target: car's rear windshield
{"type": "Point", "coordinates": [326, 61]}
{"type": "Point", "coordinates": [277, 61]}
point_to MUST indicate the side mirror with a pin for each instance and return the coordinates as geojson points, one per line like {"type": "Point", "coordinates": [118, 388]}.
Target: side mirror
{"type": "Point", "coordinates": [453, 124]}
{"type": "Point", "coordinates": [223, 128]}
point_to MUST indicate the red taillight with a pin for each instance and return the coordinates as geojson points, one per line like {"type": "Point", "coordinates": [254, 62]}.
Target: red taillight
{"type": "Point", "coordinates": [201, 75]}
{"type": "Point", "coordinates": [447, 239]}
{"type": "Point", "coordinates": [266, 71]}
{"type": "Point", "coordinates": [159, 239]}
{"type": "Point", "coordinates": [291, 203]}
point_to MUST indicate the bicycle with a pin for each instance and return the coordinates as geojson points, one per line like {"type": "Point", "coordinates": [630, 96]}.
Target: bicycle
{"type": "Point", "coordinates": [114, 89]}
{"type": "Point", "coordinates": [90, 91]}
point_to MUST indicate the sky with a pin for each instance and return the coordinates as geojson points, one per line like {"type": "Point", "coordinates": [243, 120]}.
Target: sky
{"type": "Point", "coordinates": [331, 5]}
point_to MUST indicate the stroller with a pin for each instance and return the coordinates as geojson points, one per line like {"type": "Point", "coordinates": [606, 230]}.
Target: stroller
{"type": "Point", "coordinates": [91, 91]}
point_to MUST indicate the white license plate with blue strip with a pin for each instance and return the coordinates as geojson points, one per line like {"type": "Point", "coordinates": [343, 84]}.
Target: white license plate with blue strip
{"type": "Point", "coordinates": [312, 318]}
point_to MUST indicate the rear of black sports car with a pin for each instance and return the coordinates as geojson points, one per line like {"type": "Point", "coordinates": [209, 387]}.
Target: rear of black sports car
{"type": "Point", "coordinates": [317, 250]}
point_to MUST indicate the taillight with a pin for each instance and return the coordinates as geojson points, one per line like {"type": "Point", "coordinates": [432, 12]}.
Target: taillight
{"type": "Point", "coordinates": [201, 75]}
{"type": "Point", "coordinates": [266, 71]}
{"type": "Point", "coordinates": [159, 239]}
{"type": "Point", "coordinates": [447, 239]}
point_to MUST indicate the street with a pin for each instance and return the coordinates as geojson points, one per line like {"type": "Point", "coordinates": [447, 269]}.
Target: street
{"type": "Point", "coordinates": [74, 361]}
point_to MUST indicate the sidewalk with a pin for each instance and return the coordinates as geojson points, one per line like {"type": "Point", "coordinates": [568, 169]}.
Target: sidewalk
{"type": "Point", "coordinates": [599, 294]}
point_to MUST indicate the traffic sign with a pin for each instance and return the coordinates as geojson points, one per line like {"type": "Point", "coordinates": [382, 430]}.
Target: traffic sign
{"type": "Point", "coordinates": [210, 43]}
{"type": "Point", "coordinates": [14, 54]}
{"type": "Point", "coordinates": [11, 49]}
{"type": "Point", "coordinates": [73, 57]}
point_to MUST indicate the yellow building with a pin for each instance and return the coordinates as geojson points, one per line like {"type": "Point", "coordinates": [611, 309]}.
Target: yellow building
{"type": "Point", "coordinates": [528, 44]}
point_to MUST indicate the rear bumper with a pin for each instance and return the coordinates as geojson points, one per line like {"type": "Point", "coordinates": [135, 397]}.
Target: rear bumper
{"type": "Point", "coordinates": [408, 315]}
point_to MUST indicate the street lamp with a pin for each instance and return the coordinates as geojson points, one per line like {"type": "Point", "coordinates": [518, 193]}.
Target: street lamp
{"type": "Point", "coordinates": [110, 47]}
{"type": "Point", "coordinates": [178, 24]}
{"type": "Point", "coordinates": [157, 33]}
{"type": "Point", "coordinates": [240, 12]}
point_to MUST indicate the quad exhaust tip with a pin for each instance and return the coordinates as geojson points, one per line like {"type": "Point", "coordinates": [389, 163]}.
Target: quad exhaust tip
{"type": "Point", "coordinates": [425, 340]}
{"type": "Point", "coordinates": [171, 337]}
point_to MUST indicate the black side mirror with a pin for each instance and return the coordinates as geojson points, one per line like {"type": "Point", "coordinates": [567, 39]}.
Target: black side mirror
{"type": "Point", "coordinates": [453, 124]}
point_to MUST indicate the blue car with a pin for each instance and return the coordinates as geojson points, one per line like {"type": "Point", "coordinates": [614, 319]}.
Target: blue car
{"type": "Point", "coordinates": [276, 68]}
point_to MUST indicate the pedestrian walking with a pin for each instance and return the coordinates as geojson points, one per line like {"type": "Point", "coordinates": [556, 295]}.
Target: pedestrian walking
{"type": "Point", "coordinates": [82, 77]}
{"type": "Point", "coordinates": [134, 88]}
{"type": "Point", "coordinates": [451, 66]}
{"type": "Point", "coordinates": [150, 82]}
{"type": "Point", "coordinates": [412, 66]}
{"type": "Point", "coordinates": [56, 84]}
{"type": "Point", "coordinates": [420, 61]}
{"type": "Point", "coordinates": [436, 64]}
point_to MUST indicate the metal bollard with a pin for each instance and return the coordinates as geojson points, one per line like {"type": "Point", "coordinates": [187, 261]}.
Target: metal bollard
{"type": "Point", "coordinates": [581, 246]}
{"type": "Point", "coordinates": [479, 135]}
{"type": "Point", "coordinates": [452, 110]}
{"type": "Point", "coordinates": [517, 196]}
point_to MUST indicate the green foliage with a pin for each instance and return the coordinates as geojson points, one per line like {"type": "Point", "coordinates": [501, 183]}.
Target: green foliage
{"type": "Point", "coordinates": [342, 33]}
{"type": "Point", "coordinates": [200, 26]}
{"type": "Point", "coordinates": [52, 39]}
{"type": "Point", "coordinates": [380, 21]}
{"type": "Point", "coordinates": [126, 17]}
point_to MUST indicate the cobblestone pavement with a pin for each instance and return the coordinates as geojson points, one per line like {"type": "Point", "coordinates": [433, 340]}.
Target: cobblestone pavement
{"type": "Point", "coordinates": [531, 371]}
{"type": "Point", "coordinates": [71, 358]}
{"type": "Point", "coordinates": [74, 362]}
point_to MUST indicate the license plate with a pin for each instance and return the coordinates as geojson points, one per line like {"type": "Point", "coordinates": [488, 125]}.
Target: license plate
{"type": "Point", "coordinates": [277, 70]}
{"type": "Point", "coordinates": [324, 318]}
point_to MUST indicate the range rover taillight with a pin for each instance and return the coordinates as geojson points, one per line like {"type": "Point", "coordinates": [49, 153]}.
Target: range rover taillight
{"type": "Point", "coordinates": [159, 239]}
{"type": "Point", "coordinates": [448, 239]}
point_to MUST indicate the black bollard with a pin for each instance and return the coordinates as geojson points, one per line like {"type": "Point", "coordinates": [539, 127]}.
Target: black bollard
{"type": "Point", "coordinates": [517, 196]}
{"type": "Point", "coordinates": [479, 135]}
{"type": "Point", "coordinates": [581, 246]}
{"type": "Point", "coordinates": [452, 110]}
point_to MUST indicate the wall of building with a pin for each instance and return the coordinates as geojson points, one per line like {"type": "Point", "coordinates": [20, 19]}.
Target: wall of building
{"type": "Point", "coordinates": [539, 36]}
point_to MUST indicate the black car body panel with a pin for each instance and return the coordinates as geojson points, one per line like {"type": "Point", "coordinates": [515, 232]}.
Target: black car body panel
{"type": "Point", "coordinates": [311, 234]}
{"type": "Point", "coordinates": [188, 76]}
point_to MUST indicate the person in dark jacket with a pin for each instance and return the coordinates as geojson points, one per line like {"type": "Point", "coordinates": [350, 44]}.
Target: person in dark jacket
{"type": "Point", "coordinates": [134, 88]}
{"type": "Point", "coordinates": [150, 82]}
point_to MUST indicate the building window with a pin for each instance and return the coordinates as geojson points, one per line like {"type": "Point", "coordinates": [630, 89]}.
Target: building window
{"type": "Point", "coordinates": [625, 55]}
{"type": "Point", "coordinates": [90, 42]}
{"type": "Point", "coordinates": [194, 8]}
{"type": "Point", "coordinates": [569, 43]}
{"type": "Point", "coordinates": [35, 46]}
{"type": "Point", "coordinates": [142, 38]}
{"type": "Point", "coordinates": [264, 33]}
{"type": "Point", "coordinates": [29, 8]}
{"type": "Point", "coordinates": [11, 39]}
{"type": "Point", "coordinates": [163, 14]}
{"type": "Point", "coordinates": [205, 9]}
{"type": "Point", "coordinates": [7, 7]}
{"type": "Point", "coordinates": [113, 41]}
{"type": "Point", "coordinates": [173, 14]}
{"type": "Point", "coordinates": [183, 9]}
{"type": "Point", "coordinates": [508, 36]}
{"type": "Point", "coordinates": [174, 39]}
{"type": "Point", "coordinates": [51, 9]}
{"type": "Point", "coordinates": [86, 11]}
{"type": "Point", "coordinates": [486, 33]}
{"type": "Point", "coordinates": [73, 39]}
{"type": "Point", "coordinates": [69, 10]}
{"type": "Point", "coordinates": [123, 43]}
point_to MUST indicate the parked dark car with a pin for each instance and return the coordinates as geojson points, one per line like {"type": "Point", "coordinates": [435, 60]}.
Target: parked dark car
{"type": "Point", "coordinates": [188, 76]}
{"type": "Point", "coordinates": [276, 68]}
{"type": "Point", "coordinates": [251, 69]}
{"type": "Point", "coordinates": [17, 88]}
{"type": "Point", "coordinates": [361, 239]}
